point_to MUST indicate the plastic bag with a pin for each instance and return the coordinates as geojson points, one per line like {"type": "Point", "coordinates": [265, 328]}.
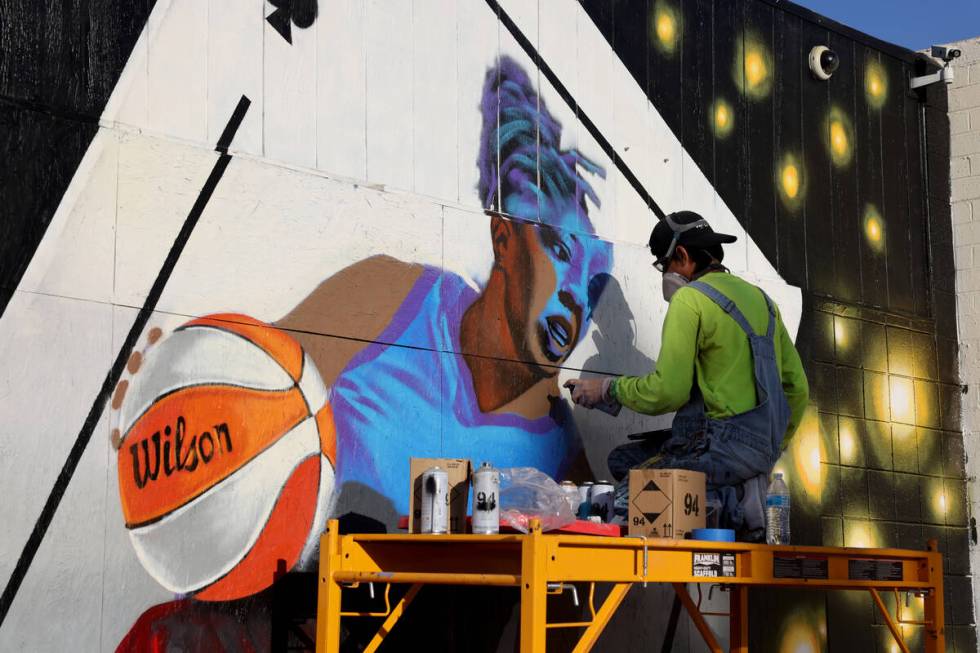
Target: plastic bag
{"type": "Point", "coordinates": [527, 493]}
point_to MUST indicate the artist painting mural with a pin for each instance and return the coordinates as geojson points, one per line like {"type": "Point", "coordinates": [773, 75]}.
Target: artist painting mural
{"type": "Point", "coordinates": [294, 243]}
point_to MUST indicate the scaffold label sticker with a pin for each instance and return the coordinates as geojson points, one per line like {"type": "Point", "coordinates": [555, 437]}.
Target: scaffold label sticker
{"type": "Point", "coordinates": [797, 566]}
{"type": "Point", "coordinates": [874, 569]}
{"type": "Point", "coordinates": [713, 564]}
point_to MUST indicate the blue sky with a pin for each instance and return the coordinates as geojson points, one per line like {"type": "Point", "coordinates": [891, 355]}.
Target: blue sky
{"type": "Point", "coordinates": [915, 24]}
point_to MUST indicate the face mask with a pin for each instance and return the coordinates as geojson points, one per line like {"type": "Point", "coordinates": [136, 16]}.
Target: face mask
{"type": "Point", "coordinates": [672, 283]}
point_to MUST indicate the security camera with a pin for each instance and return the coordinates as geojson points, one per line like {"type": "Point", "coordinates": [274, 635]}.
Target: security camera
{"type": "Point", "coordinates": [944, 53]}
{"type": "Point", "coordinates": [823, 62]}
{"type": "Point", "coordinates": [945, 74]}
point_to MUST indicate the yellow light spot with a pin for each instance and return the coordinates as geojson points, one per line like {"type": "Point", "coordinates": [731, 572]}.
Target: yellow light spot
{"type": "Point", "coordinates": [666, 28]}
{"type": "Point", "coordinates": [839, 137]}
{"type": "Point", "coordinates": [902, 399]}
{"type": "Point", "coordinates": [801, 460]}
{"type": "Point", "coordinates": [753, 66]}
{"type": "Point", "coordinates": [875, 84]}
{"type": "Point", "coordinates": [848, 444]}
{"type": "Point", "coordinates": [862, 536]}
{"type": "Point", "coordinates": [807, 451]}
{"type": "Point", "coordinates": [800, 638]}
{"type": "Point", "coordinates": [722, 118]}
{"type": "Point", "coordinates": [791, 180]}
{"type": "Point", "coordinates": [874, 229]}
{"type": "Point", "coordinates": [941, 502]}
{"type": "Point", "coordinates": [841, 339]}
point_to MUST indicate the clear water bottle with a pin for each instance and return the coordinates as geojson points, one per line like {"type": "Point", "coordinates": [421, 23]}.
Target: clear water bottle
{"type": "Point", "coordinates": [777, 511]}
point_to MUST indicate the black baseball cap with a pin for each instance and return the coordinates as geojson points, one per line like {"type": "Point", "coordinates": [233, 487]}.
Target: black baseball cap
{"type": "Point", "coordinates": [685, 228]}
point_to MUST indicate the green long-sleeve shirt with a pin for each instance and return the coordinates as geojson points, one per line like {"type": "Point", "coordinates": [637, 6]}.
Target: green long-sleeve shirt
{"type": "Point", "coordinates": [700, 339]}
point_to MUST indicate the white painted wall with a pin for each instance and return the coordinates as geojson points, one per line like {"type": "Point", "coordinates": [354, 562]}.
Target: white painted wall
{"type": "Point", "coordinates": [964, 124]}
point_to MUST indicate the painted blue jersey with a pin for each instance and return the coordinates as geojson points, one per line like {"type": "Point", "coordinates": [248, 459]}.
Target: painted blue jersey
{"type": "Point", "coordinates": [411, 394]}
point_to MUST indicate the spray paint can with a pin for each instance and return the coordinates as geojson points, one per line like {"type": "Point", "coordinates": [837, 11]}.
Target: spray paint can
{"type": "Point", "coordinates": [571, 494]}
{"type": "Point", "coordinates": [435, 501]}
{"type": "Point", "coordinates": [486, 500]}
{"type": "Point", "coordinates": [602, 500]}
{"type": "Point", "coordinates": [584, 499]}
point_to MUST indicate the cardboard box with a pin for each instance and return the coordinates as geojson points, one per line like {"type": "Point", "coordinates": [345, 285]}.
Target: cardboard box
{"type": "Point", "coordinates": [666, 502]}
{"type": "Point", "coordinates": [458, 470]}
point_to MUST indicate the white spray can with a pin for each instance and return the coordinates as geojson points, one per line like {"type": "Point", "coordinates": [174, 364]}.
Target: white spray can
{"type": "Point", "coordinates": [435, 501]}
{"type": "Point", "coordinates": [486, 500]}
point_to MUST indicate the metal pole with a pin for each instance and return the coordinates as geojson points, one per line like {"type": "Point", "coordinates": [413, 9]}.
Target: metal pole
{"type": "Point", "coordinates": [328, 600]}
{"type": "Point", "coordinates": [534, 591]}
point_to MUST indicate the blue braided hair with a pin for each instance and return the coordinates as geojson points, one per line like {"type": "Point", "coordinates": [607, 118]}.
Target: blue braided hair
{"type": "Point", "coordinates": [534, 171]}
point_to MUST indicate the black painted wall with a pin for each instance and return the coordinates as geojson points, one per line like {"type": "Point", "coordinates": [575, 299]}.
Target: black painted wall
{"type": "Point", "coordinates": [59, 61]}
{"type": "Point", "coordinates": [864, 229]}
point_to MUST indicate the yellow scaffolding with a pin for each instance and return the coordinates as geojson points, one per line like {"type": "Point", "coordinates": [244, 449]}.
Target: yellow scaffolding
{"type": "Point", "coordinates": [540, 564]}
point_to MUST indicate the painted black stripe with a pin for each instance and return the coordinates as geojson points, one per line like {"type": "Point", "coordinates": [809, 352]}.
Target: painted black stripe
{"type": "Point", "coordinates": [98, 406]}
{"type": "Point", "coordinates": [590, 126]}
{"type": "Point", "coordinates": [224, 141]}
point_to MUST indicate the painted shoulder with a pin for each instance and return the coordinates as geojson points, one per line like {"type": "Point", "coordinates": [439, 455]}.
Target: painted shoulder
{"type": "Point", "coordinates": [350, 309]}
{"type": "Point", "coordinates": [360, 299]}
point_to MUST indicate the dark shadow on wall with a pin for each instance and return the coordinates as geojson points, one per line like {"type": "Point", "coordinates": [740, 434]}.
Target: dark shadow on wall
{"type": "Point", "coordinates": [615, 335]}
{"type": "Point", "coordinates": [364, 510]}
{"type": "Point", "coordinates": [616, 351]}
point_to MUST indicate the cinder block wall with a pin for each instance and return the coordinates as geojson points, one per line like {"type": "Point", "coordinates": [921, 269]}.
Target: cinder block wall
{"type": "Point", "coordinates": [964, 119]}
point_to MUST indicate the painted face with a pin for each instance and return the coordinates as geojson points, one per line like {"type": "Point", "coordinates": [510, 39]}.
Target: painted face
{"type": "Point", "coordinates": [548, 297]}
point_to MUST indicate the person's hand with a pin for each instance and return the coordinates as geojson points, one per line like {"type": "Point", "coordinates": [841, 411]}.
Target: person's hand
{"type": "Point", "coordinates": [589, 392]}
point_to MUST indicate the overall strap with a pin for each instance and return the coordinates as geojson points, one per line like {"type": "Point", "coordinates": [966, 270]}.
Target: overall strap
{"type": "Point", "coordinates": [728, 306]}
{"type": "Point", "coordinates": [771, 330]}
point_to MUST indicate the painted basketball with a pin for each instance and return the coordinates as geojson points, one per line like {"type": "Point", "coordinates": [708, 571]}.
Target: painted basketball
{"type": "Point", "coordinates": [226, 453]}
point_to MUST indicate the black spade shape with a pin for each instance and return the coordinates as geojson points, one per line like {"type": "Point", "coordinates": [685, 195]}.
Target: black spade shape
{"type": "Point", "coordinates": [301, 13]}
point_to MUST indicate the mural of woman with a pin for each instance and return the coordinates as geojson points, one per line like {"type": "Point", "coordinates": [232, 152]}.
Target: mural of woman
{"type": "Point", "coordinates": [439, 377]}
{"type": "Point", "coordinates": [442, 368]}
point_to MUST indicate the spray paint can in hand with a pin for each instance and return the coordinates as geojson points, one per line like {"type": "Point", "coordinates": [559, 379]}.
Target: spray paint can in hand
{"type": "Point", "coordinates": [602, 500]}
{"type": "Point", "coordinates": [585, 500]}
{"type": "Point", "coordinates": [435, 501]}
{"type": "Point", "coordinates": [486, 500]}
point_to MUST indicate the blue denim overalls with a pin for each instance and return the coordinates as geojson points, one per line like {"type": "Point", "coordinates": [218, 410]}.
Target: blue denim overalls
{"type": "Point", "coordinates": [737, 449]}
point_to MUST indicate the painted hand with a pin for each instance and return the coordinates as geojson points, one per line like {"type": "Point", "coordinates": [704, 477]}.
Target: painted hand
{"type": "Point", "coordinates": [589, 392]}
